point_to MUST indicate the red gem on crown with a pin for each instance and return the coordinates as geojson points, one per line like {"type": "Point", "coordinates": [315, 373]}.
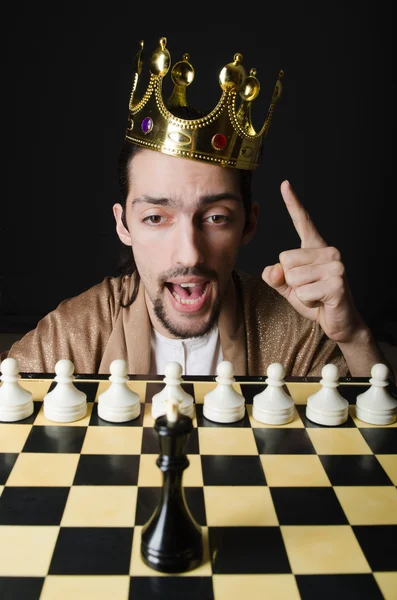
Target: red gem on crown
{"type": "Point", "coordinates": [219, 141]}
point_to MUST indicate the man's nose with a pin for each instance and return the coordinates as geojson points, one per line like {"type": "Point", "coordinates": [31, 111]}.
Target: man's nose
{"type": "Point", "coordinates": [187, 244]}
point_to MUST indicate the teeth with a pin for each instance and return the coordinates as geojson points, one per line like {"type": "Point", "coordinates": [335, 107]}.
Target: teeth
{"type": "Point", "coordinates": [187, 300]}
{"type": "Point", "coordinates": [187, 284]}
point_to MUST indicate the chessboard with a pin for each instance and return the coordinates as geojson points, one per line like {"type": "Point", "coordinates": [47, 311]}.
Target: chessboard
{"type": "Point", "coordinates": [287, 512]}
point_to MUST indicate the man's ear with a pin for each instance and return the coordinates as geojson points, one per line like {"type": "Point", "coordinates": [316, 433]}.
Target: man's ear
{"type": "Point", "coordinates": [121, 229]}
{"type": "Point", "coordinates": [250, 229]}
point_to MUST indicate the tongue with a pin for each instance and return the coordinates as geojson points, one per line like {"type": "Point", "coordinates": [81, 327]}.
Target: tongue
{"type": "Point", "coordinates": [189, 292]}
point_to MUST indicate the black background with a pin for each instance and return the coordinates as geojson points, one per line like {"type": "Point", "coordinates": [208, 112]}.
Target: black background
{"type": "Point", "coordinates": [66, 83]}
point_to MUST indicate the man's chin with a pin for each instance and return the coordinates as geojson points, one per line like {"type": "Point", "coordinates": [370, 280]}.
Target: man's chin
{"type": "Point", "coordinates": [185, 330]}
{"type": "Point", "coordinates": [182, 333]}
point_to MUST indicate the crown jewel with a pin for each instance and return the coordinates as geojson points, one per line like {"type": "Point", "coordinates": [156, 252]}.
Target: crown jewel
{"type": "Point", "coordinates": [225, 136]}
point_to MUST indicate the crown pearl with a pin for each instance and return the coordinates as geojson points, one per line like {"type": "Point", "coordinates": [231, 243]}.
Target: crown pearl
{"type": "Point", "coordinates": [161, 59]}
{"type": "Point", "coordinates": [233, 75]}
{"type": "Point", "coordinates": [183, 72]}
{"type": "Point", "coordinates": [251, 87]}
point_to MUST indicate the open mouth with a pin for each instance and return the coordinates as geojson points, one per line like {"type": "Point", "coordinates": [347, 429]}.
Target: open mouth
{"type": "Point", "coordinates": [189, 293]}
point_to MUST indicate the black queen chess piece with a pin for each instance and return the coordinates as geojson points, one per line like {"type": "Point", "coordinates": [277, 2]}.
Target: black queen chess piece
{"type": "Point", "coordinates": [171, 539]}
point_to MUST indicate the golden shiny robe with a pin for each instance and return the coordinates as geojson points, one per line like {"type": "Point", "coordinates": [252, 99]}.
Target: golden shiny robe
{"type": "Point", "coordinates": [257, 327]}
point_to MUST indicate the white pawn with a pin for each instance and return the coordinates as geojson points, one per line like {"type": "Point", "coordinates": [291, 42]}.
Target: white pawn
{"type": "Point", "coordinates": [172, 389]}
{"type": "Point", "coordinates": [15, 402]}
{"type": "Point", "coordinates": [65, 403]}
{"type": "Point", "coordinates": [376, 405]}
{"type": "Point", "coordinates": [327, 406]}
{"type": "Point", "coordinates": [223, 404]}
{"type": "Point", "coordinates": [273, 405]}
{"type": "Point", "coordinates": [172, 407]}
{"type": "Point", "coordinates": [118, 403]}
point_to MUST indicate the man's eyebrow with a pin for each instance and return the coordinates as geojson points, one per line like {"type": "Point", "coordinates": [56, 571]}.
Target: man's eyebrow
{"type": "Point", "coordinates": [172, 203]}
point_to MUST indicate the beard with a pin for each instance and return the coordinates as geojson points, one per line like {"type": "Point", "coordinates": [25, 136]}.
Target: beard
{"type": "Point", "coordinates": [184, 331]}
{"type": "Point", "coordinates": [187, 330]}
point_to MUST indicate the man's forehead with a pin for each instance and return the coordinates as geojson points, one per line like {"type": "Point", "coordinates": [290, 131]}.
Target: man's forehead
{"type": "Point", "coordinates": [152, 174]}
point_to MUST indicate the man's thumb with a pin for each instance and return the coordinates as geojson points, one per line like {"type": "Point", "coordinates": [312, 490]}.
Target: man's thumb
{"type": "Point", "coordinates": [274, 276]}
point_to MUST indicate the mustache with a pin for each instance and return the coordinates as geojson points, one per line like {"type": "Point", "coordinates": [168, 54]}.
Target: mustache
{"type": "Point", "coordinates": [187, 272]}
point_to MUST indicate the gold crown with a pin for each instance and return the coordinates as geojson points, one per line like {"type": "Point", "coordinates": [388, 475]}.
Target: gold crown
{"type": "Point", "coordinates": [225, 136]}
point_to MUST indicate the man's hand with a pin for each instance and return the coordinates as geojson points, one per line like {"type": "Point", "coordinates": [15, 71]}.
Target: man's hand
{"type": "Point", "coordinates": [312, 278]}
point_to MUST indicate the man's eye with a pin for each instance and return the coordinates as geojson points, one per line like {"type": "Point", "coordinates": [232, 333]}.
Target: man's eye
{"type": "Point", "coordinates": [219, 219]}
{"type": "Point", "coordinates": [152, 219]}
{"type": "Point", "coordinates": [215, 219]}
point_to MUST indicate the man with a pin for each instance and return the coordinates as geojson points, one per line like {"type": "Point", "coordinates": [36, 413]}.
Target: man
{"type": "Point", "coordinates": [186, 209]}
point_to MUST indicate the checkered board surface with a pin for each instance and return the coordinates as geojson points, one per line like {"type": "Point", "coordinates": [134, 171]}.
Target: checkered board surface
{"type": "Point", "coordinates": [287, 512]}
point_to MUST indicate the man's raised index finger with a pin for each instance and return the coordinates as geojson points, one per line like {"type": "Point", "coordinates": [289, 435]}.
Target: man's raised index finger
{"type": "Point", "coordinates": [310, 237]}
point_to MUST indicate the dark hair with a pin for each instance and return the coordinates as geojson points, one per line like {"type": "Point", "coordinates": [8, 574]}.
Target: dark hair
{"type": "Point", "coordinates": [126, 265]}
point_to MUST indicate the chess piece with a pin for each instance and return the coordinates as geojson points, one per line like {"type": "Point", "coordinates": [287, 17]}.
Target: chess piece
{"type": "Point", "coordinates": [172, 389]}
{"type": "Point", "coordinates": [273, 405]}
{"type": "Point", "coordinates": [171, 539]}
{"type": "Point", "coordinates": [223, 404]}
{"type": "Point", "coordinates": [15, 402]}
{"type": "Point", "coordinates": [65, 403]}
{"type": "Point", "coordinates": [376, 405]}
{"type": "Point", "coordinates": [118, 403]}
{"type": "Point", "coordinates": [327, 406]}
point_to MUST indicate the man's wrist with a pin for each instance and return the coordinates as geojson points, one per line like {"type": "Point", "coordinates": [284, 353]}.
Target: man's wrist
{"type": "Point", "coordinates": [362, 352]}
{"type": "Point", "coordinates": [360, 338]}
